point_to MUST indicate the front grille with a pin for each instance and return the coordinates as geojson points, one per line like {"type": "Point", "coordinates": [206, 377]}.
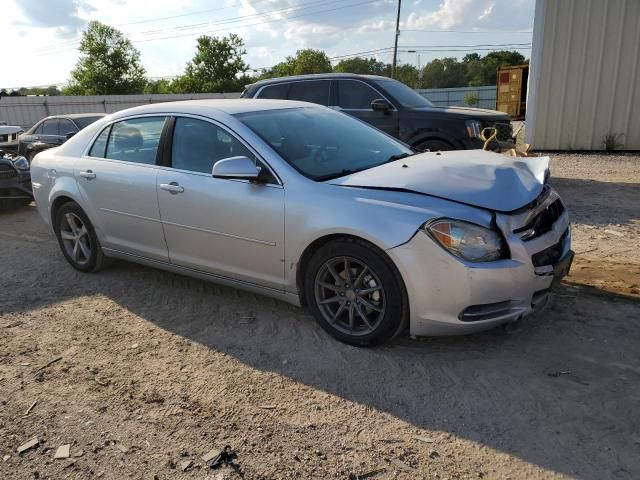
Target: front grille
{"type": "Point", "coordinates": [7, 171]}
{"type": "Point", "coordinates": [541, 223]}
{"type": "Point", "coordinates": [550, 255]}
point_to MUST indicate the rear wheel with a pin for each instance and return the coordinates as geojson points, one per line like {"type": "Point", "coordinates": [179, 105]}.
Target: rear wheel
{"type": "Point", "coordinates": [434, 145]}
{"type": "Point", "coordinates": [77, 239]}
{"type": "Point", "coordinates": [355, 293]}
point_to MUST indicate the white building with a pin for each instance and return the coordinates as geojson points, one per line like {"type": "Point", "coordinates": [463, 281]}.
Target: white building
{"type": "Point", "coordinates": [584, 79]}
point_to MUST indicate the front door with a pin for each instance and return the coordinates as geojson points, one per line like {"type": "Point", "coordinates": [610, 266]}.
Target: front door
{"type": "Point", "coordinates": [232, 228]}
{"type": "Point", "coordinates": [355, 96]}
{"type": "Point", "coordinates": [118, 182]}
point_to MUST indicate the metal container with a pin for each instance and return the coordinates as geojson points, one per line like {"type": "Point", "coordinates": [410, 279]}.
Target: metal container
{"type": "Point", "coordinates": [512, 90]}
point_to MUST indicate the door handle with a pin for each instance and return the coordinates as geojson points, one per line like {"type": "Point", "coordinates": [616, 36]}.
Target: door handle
{"type": "Point", "coordinates": [89, 175]}
{"type": "Point", "coordinates": [172, 187]}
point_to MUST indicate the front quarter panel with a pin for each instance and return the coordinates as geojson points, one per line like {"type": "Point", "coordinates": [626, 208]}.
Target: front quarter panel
{"type": "Point", "coordinates": [384, 218]}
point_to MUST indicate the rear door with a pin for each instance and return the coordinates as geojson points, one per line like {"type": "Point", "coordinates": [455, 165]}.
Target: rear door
{"type": "Point", "coordinates": [314, 91]}
{"type": "Point", "coordinates": [355, 96]}
{"type": "Point", "coordinates": [117, 179]}
{"type": "Point", "coordinates": [231, 228]}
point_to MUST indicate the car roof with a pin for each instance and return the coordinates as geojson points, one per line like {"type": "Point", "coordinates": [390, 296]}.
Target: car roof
{"type": "Point", "coordinates": [317, 76]}
{"type": "Point", "coordinates": [230, 106]}
{"type": "Point", "coordinates": [77, 115]}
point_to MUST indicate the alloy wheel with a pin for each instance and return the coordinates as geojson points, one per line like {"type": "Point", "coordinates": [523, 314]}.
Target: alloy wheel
{"type": "Point", "coordinates": [75, 238]}
{"type": "Point", "coordinates": [350, 296]}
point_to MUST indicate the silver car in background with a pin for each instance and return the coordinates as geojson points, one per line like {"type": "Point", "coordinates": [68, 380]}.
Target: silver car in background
{"type": "Point", "coordinates": [313, 207]}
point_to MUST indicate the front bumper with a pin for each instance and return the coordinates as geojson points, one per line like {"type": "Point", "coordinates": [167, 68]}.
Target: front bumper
{"type": "Point", "coordinates": [448, 296]}
{"type": "Point", "coordinates": [16, 187]}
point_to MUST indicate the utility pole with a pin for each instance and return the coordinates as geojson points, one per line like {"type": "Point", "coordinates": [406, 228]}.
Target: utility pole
{"type": "Point", "coordinates": [395, 48]}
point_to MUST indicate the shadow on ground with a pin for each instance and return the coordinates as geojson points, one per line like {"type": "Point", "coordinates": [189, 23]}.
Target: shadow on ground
{"type": "Point", "coordinates": [564, 381]}
{"type": "Point", "coordinates": [591, 201]}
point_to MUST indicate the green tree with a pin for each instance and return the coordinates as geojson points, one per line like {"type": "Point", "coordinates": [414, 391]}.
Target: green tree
{"type": "Point", "coordinates": [109, 64]}
{"type": "Point", "coordinates": [444, 73]}
{"type": "Point", "coordinates": [360, 65]}
{"type": "Point", "coordinates": [215, 67]}
{"type": "Point", "coordinates": [158, 86]}
{"type": "Point", "coordinates": [483, 70]}
{"type": "Point", "coordinates": [305, 61]}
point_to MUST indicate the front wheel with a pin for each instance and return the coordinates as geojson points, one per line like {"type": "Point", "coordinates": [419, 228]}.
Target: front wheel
{"type": "Point", "coordinates": [356, 293]}
{"type": "Point", "coordinates": [77, 239]}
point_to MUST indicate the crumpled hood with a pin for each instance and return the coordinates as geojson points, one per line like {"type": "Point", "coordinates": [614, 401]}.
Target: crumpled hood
{"type": "Point", "coordinates": [475, 177]}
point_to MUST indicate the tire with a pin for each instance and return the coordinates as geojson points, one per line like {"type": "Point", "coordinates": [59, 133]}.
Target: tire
{"type": "Point", "coordinates": [434, 146]}
{"type": "Point", "coordinates": [72, 226]}
{"type": "Point", "coordinates": [355, 315]}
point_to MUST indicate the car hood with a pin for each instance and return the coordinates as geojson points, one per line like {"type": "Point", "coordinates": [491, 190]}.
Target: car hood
{"type": "Point", "coordinates": [469, 112]}
{"type": "Point", "coordinates": [474, 177]}
{"type": "Point", "coordinates": [6, 129]}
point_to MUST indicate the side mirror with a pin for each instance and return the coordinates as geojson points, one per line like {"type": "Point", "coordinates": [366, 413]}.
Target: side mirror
{"type": "Point", "coordinates": [69, 135]}
{"type": "Point", "coordinates": [380, 104]}
{"type": "Point", "coordinates": [236, 167]}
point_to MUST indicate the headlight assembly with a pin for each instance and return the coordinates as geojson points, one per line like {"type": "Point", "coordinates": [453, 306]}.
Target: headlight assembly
{"type": "Point", "coordinates": [21, 163]}
{"type": "Point", "coordinates": [474, 128]}
{"type": "Point", "coordinates": [466, 240]}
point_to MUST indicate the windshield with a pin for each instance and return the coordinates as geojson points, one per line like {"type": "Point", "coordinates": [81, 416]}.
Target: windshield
{"type": "Point", "coordinates": [407, 97]}
{"type": "Point", "coordinates": [323, 144]}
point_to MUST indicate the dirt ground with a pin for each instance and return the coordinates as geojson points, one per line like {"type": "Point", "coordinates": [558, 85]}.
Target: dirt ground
{"type": "Point", "coordinates": [152, 370]}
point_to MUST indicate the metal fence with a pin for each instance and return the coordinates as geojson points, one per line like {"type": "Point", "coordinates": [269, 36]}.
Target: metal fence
{"type": "Point", "coordinates": [447, 97]}
{"type": "Point", "coordinates": [27, 111]}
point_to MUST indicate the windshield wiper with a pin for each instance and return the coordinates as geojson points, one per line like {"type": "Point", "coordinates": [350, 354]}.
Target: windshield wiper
{"type": "Point", "coordinates": [398, 156]}
{"type": "Point", "coordinates": [332, 176]}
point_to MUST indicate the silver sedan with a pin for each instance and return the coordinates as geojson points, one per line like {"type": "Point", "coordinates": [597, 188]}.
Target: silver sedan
{"type": "Point", "coordinates": [313, 207]}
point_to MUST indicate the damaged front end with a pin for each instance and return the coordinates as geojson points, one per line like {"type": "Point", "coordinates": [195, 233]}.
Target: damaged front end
{"type": "Point", "coordinates": [15, 180]}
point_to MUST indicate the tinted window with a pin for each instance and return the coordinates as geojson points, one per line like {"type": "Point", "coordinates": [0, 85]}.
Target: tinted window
{"type": "Point", "coordinates": [316, 91]}
{"type": "Point", "coordinates": [100, 145]}
{"type": "Point", "coordinates": [197, 145]}
{"type": "Point", "coordinates": [84, 122]}
{"type": "Point", "coordinates": [67, 126]}
{"type": "Point", "coordinates": [39, 130]}
{"type": "Point", "coordinates": [50, 127]}
{"type": "Point", "coordinates": [135, 140]}
{"type": "Point", "coordinates": [408, 97]}
{"type": "Point", "coordinates": [322, 143]}
{"type": "Point", "coordinates": [275, 91]}
{"type": "Point", "coordinates": [355, 95]}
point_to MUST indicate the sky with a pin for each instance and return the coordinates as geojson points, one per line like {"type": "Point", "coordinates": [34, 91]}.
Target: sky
{"type": "Point", "coordinates": [44, 34]}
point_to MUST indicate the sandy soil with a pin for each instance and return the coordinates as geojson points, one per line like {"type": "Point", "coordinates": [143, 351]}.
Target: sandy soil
{"type": "Point", "coordinates": [153, 370]}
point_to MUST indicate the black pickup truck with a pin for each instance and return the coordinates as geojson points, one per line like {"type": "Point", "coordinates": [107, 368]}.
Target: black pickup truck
{"type": "Point", "coordinates": [390, 106]}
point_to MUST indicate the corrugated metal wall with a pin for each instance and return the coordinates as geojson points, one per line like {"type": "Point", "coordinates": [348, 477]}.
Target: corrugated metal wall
{"type": "Point", "coordinates": [26, 111]}
{"type": "Point", "coordinates": [446, 97]}
{"type": "Point", "coordinates": [584, 77]}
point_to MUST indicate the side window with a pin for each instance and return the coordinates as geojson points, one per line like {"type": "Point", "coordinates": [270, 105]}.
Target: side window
{"type": "Point", "coordinates": [135, 140]}
{"type": "Point", "coordinates": [67, 127]}
{"type": "Point", "coordinates": [50, 127]}
{"type": "Point", "coordinates": [354, 95]}
{"type": "Point", "coordinates": [100, 145]}
{"type": "Point", "coordinates": [278, 91]}
{"type": "Point", "coordinates": [39, 130]}
{"type": "Point", "coordinates": [197, 145]}
{"type": "Point", "coordinates": [314, 91]}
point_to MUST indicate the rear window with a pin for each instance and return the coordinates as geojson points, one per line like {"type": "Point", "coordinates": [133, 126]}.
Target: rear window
{"type": "Point", "coordinates": [84, 122]}
{"type": "Point", "coordinates": [314, 91]}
